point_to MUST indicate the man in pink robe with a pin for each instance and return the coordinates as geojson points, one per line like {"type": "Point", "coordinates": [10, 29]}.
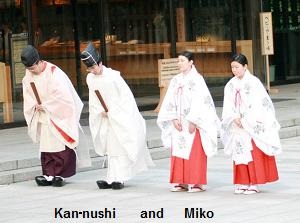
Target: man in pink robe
{"type": "Point", "coordinates": [52, 111]}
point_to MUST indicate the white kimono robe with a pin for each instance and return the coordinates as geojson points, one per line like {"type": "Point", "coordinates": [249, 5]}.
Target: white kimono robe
{"type": "Point", "coordinates": [188, 100]}
{"type": "Point", "coordinates": [247, 99]}
{"type": "Point", "coordinates": [58, 125]}
{"type": "Point", "coordinates": [122, 135]}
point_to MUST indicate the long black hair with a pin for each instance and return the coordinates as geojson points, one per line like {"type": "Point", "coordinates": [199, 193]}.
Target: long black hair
{"type": "Point", "coordinates": [187, 54]}
{"type": "Point", "coordinates": [240, 58]}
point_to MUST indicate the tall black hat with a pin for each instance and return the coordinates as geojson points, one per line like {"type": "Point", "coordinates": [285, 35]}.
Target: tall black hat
{"type": "Point", "coordinates": [29, 56]}
{"type": "Point", "coordinates": [90, 55]}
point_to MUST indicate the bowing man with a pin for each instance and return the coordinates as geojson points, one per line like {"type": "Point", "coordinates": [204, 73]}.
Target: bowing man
{"type": "Point", "coordinates": [117, 127]}
{"type": "Point", "coordinates": [52, 110]}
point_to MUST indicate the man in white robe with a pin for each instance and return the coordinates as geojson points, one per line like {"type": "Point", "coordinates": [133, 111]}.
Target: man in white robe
{"type": "Point", "coordinates": [120, 131]}
{"type": "Point", "coordinates": [52, 111]}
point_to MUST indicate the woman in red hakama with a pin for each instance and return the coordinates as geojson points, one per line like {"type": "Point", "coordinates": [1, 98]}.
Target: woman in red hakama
{"type": "Point", "coordinates": [192, 171]}
{"type": "Point", "coordinates": [261, 170]}
{"type": "Point", "coordinates": [250, 131]}
{"type": "Point", "coordinates": [189, 124]}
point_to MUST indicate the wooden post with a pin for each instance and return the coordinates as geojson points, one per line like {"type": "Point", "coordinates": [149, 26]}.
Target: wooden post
{"type": "Point", "coordinates": [267, 48]}
{"type": "Point", "coordinates": [245, 47]}
{"type": "Point", "coordinates": [6, 93]}
{"type": "Point", "coordinates": [268, 73]}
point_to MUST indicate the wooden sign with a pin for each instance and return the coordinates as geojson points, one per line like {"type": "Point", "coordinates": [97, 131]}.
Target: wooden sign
{"type": "Point", "coordinates": [167, 68]}
{"type": "Point", "coordinates": [266, 30]}
{"type": "Point", "coordinates": [17, 43]}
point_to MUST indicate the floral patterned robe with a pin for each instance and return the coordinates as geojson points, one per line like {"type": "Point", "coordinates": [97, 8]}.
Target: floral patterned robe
{"type": "Point", "coordinates": [188, 100]}
{"type": "Point", "coordinates": [247, 99]}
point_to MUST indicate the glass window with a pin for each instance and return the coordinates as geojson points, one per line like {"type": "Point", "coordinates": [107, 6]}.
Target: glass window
{"type": "Point", "coordinates": [204, 28]}
{"type": "Point", "coordinates": [137, 35]}
{"type": "Point", "coordinates": [88, 22]}
{"type": "Point", "coordinates": [52, 23]}
{"type": "Point", "coordinates": [13, 37]}
{"type": "Point", "coordinates": [286, 28]}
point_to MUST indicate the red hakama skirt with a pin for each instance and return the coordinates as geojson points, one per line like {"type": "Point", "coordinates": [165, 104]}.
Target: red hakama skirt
{"type": "Point", "coordinates": [261, 170]}
{"type": "Point", "coordinates": [193, 170]}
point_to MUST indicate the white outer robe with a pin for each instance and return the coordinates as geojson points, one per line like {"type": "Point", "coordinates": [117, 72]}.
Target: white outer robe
{"type": "Point", "coordinates": [189, 100]}
{"type": "Point", "coordinates": [122, 134]}
{"type": "Point", "coordinates": [247, 99]}
{"type": "Point", "coordinates": [62, 109]}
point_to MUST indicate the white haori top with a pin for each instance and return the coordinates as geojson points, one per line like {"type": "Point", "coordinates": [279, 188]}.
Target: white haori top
{"type": "Point", "coordinates": [247, 99]}
{"type": "Point", "coordinates": [123, 120]}
{"type": "Point", "coordinates": [188, 100]}
{"type": "Point", "coordinates": [48, 141]}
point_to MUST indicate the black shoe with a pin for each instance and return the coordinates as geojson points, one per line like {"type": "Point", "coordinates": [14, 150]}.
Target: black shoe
{"type": "Point", "coordinates": [117, 185]}
{"type": "Point", "coordinates": [42, 181]}
{"type": "Point", "coordinates": [58, 182]}
{"type": "Point", "coordinates": [102, 184]}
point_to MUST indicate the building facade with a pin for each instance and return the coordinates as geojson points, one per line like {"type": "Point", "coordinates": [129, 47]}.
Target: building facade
{"type": "Point", "coordinates": [133, 35]}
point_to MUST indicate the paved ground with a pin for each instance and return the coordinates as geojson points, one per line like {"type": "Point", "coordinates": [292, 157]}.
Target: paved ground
{"type": "Point", "coordinates": [278, 202]}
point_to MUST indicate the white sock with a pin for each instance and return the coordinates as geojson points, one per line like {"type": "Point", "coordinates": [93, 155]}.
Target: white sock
{"type": "Point", "coordinates": [61, 177]}
{"type": "Point", "coordinates": [253, 187]}
{"type": "Point", "coordinates": [48, 178]}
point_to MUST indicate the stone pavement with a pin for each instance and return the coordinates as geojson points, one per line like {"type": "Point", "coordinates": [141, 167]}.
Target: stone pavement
{"type": "Point", "coordinates": [149, 191]}
{"type": "Point", "coordinates": [277, 203]}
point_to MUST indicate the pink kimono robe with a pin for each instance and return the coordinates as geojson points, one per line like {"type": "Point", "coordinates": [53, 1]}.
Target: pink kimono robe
{"type": "Point", "coordinates": [56, 128]}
